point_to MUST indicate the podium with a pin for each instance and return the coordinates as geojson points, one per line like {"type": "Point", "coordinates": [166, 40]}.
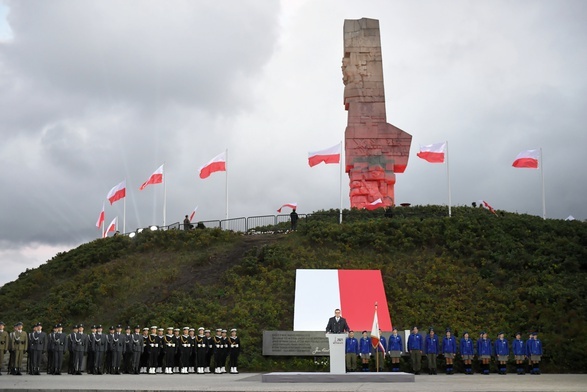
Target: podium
{"type": "Point", "coordinates": [336, 343]}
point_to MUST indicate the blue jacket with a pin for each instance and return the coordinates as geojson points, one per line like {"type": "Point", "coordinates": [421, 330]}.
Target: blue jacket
{"type": "Point", "coordinates": [535, 347]}
{"type": "Point", "coordinates": [449, 345]}
{"type": "Point", "coordinates": [527, 347]}
{"type": "Point", "coordinates": [395, 343]}
{"type": "Point", "coordinates": [381, 347]}
{"type": "Point", "coordinates": [467, 347]}
{"type": "Point", "coordinates": [431, 346]}
{"type": "Point", "coordinates": [484, 347]}
{"type": "Point", "coordinates": [502, 347]}
{"type": "Point", "coordinates": [415, 342]}
{"type": "Point", "coordinates": [351, 346]}
{"type": "Point", "coordinates": [518, 347]}
{"type": "Point", "coordinates": [365, 345]}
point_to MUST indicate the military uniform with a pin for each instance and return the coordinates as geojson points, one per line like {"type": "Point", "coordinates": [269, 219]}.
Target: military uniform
{"type": "Point", "coordinates": [201, 349]}
{"type": "Point", "coordinates": [234, 347]}
{"type": "Point", "coordinates": [38, 345]}
{"type": "Point", "coordinates": [144, 361]}
{"type": "Point", "coordinates": [29, 356]}
{"type": "Point", "coordinates": [58, 344]}
{"type": "Point", "coordinates": [127, 356]}
{"type": "Point", "coordinates": [192, 359]}
{"type": "Point", "coordinates": [108, 360]}
{"type": "Point", "coordinates": [91, 353]}
{"type": "Point", "coordinates": [137, 344]}
{"type": "Point", "coordinates": [3, 344]}
{"type": "Point", "coordinates": [79, 341]}
{"type": "Point", "coordinates": [177, 359]}
{"type": "Point", "coordinates": [117, 346]}
{"type": "Point", "coordinates": [185, 349]}
{"type": "Point", "coordinates": [225, 351]}
{"type": "Point", "coordinates": [218, 344]}
{"type": "Point", "coordinates": [17, 345]}
{"type": "Point", "coordinates": [170, 348]}
{"type": "Point", "coordinates": [70, 346]}
{"type": "Point", "coordinates": [161, 355]}
{"type": "Point", "coordinates": [209, 343]}
{"type": "Point", "coordinates": [153, 347]}
{"type": "Point", "coordinates": [99, 347]}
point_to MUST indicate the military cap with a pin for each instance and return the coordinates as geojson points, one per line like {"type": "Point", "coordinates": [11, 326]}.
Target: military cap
{"type": "Point", "coordinates": [19, 324]}
{"type": "Point", "coordinates": [192, 329]}
{"type": "Point", "coordinates": [2, 323]}
{"type": "Point", "coordinates": [127, 328]}
{"type": "Point", "coordinates": [224, 331]}
{"type": "Point", "coordinates": [56, 326]}
{"type": "Point", "coordinates": [218, 329]}
{"type": "Point", "coordinates": [176, 329]}
{"type": "Point", "coordinates": [145, 328]}
{"type": "Point", "coordinates": [94, 326]}
{"type": "Point", "coordinates": [111, 328]}
{"type": "Point", "coordinates": [234, 330]}
{"type": "Point", "coordinates": [207, 331]}
{"type": "Point", "coordinates": [184, 328]}
{"type": "Point", "coordinates": [170, 328]}
{"type": "Point", "coordinates": [137, 327]}
{"type": "Point", "coordinates": [38, 325]}
{"type": "Point", "coordinates": [59, 325]}
{"type": "Point", "coordinates": [448, 330]}
{"type": "Point", "coordinates": [99, 326]}
{"type": "Point", "coordinates": [201, 329]}
{"type": "Point", "coordinates": [160, 329]}
{"type": "Point", "coordinates": [119, 326]}
{"type": "Point", "coordinates": [74, 327]}
{"type": "Point", "coordinates": [154, 327]}
{"type": "Point", "coordinates": [80, 325]}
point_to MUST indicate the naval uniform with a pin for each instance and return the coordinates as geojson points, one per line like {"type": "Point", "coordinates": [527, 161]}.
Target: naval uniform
{"type": "Point", "coordinates": [235, 347]}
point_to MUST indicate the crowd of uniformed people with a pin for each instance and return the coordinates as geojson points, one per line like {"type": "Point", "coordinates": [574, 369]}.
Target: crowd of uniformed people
{"type": "Point", "coordinates": [526, 354]}
{"type": "Point", "coordinates": [132, 351]}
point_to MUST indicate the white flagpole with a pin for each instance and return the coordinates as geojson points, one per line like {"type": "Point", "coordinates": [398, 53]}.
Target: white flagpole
{"type": "Point", "coordinates": [226, 184]}
{"type": "Point", "coordinates": [164, 194]}
{"type": "Point", "coordinates": [448, 181]}
{"type": "Point", "coordinates": [542, 175]}
{"type": "Point", "coordinates": [104, 221]}
{"type": "Point", "coordinates": [340, 178]}
{"type": "Point", "coordinates": [124, 212]}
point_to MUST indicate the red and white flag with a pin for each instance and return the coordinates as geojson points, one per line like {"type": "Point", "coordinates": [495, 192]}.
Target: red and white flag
{"type": "Point", "coordinates": [111, 226]}
{"type": "Point", "coordinates": [156, 178]}
{"type": "Point", "coordinates": [290, 205]}
{"type": "Point", "coordinates": [433, 153]}
{"type": "Point", "coordinates": [218, 163]}
{"type": "Point", "coordinates": [486, 205]}
{"type": "Point", "coordinates": [101, 218]}
{"type": "Point", "coordinates": [117, 193]}
{"type": "Point", "coordinates": [527, 159]}
{"type": "Point", "coordinates": [375, 336]}
{"type": "Point", "coordinates": [328, 155]}
{"type": "Point", "coordinates": [374, 205]}
{"type": "Point", "coordinates": [193, 213]}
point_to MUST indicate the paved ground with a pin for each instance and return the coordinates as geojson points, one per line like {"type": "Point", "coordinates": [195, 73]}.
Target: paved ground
{"type": "Point", "coordinates": [252, 382]}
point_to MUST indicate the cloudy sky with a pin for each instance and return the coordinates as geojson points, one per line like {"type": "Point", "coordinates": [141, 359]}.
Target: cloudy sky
{"type": "Point", "coordinates": [95, 92]}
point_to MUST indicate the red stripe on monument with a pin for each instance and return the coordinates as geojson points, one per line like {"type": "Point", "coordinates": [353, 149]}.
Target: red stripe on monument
{"type": "Point", "coordinates": [359, 290]}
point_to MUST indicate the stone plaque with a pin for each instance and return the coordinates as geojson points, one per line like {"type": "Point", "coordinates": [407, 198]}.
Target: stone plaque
{"type": "Point", "coordinates": [295, 343]}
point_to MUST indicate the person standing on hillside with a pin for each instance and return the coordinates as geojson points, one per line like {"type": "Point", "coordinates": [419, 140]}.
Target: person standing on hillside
{"type": "Point", "coordinates": [432, 350]}
{"type": "Point", "coordinates": [519, 351]}
{"type": "Point", "coordinates": [351, 350]}
{"type": "Point", "coordinates": [395, 347]}
{"type": "Point", "coordinates": [415, 346]}
{"type": "Point", "coordinates": [365, 351]}
{"type": "Point", "coordinates": [502, 351]}
{"type": "Point", "coordinates": [467, 352]}
{"type": "Point", "coordinates": [449, 349]}
{"type": "Point", "coordinates": [337, 324]}
{"type": "Point", "coordinates": [293, 216]}
{"type": "Point", "coordinates": [187, 224]}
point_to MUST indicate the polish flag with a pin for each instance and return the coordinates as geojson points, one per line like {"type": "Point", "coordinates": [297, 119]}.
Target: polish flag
{"type": "Point", "coordinates": [117, 193]}
{"type": "Point", "coordinates": [218, 163]}
{"type": "Point", "coordinates": [375, 336]}
{"type": "Point", "coordinates": [374, 205]}
{"type": "Point", "coordinates": [111, 226]}
{"type": "Point", "coordinates": [156, 178]}
{"type": "Point", "coordinates": [193, 213]}
{"type": "Point", "coordinates": [347, 290]}
{"type": "Point", "coordinates": [329, 155]}
{"type": "Point", "coordinates": [527, 159]}
{"type": "Point", "coordinates": [290, 205]}
{"type": "Point", "coordinates": [433, 153]}
{"type": "Point", "coordinates": [486, 205]}
{"type": "Point", "coordinates": [101, 218]}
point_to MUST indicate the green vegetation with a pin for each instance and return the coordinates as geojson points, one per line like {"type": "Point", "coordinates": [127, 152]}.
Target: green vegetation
{"type": "Point", "coordinates": [472, 271]}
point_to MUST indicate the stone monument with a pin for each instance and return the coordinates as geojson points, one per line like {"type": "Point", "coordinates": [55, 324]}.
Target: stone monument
{"type": "Point", "coordinates": [374, 149]}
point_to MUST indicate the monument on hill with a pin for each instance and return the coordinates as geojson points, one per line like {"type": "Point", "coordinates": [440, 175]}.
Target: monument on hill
{"type": "Point", "coordinates": [374, 149]}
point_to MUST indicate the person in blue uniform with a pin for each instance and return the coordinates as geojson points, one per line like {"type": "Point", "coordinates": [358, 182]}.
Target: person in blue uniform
{"type": "Point", "coordinates": [502, 352]}
{"type": "Point", "coordinates": [484, 352]}
{"type": "Point", "coordinates": [535, 354]}
{"type": "Point", "coordinates": [380, 352]}
{"type": "Point", "coordinates": [449, 350]}
{"type": "Point", "coordinates": [351, 350]}
{"type": "Point", "coordinates": [519, 350]}
{"type": "Point", "coordinates": [527, 351]}
{"type": "Point", "coordinates": [365, 351]}
{"type": "Point", "coordinates": [394, 349]}
{"type": "Point", "coordinates": [431, 349]}
{"type": "Point", "coordinates": [467, 350]}
{"type": "Point", "coordinates": [415, 347]}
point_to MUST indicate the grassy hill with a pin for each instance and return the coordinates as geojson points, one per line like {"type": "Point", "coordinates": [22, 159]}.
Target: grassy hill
{"type": "Point", "coordinates": [472, 271]}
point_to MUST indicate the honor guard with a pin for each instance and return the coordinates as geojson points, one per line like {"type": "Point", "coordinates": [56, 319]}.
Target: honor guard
{"type": "Point", "coordinates": [380, 352]}
{"type": "Point", "coordinates": [200, 351]}
{"type": "Point", "coordinates": [209, 342]}
{"type": "Point", "coordinates": [80, 349]}
{"type": "Point", "coordinates": [109, 340]}
{"type": "Point", "coordinates": [153, 343]}
{"type": "Point", "coordinates": [184, 350]}
{"type": "Point", "coordinates": [99, 347]}
{"type": "Point", "coordinates": [3, 344]}
{"type": "Point", "coordinates": [117, 346]}
{"type": "Point", "coordinates": [91, 355]}
{"type": "Point", "coordinates": [144, 362]}
{"type": "Point", "coordinates": [217, 341]}
{"type": "Point", "coordinates": [70, 347]}
{"type": "Point", "coordinates": [58, 343]}
{"type": "Point", "coordinates": [502, 351]}
{"type": "Point", "coordinates": [449, 350]}
{"type": "Point", "coordinates": [29, 357]}
{"type": "Point", "coordinates": [170, 347]}
{"type": "Point", "coordinates": [161, 356]}
{"type": "Point", "coordinates": [126, 357]}
{"type": "Point", "coordinates": [38, 348]}
{"type": "Point", "coordinates": [225, 350]}
{"type": "Point", "coordinates": [177, 359]}
{"type": "Point", "coordinates": [235, 347]}
{"type": "Point", "coordinates": [50, 367]}
{"type": "Point", "coordinates": [17, 345]}
{"type": "Point", "coordinates": [136, 346]}
{"type": "Point", "coordinates": [395, 348]}
{"type": "Point", "coordinates": [192, 359]}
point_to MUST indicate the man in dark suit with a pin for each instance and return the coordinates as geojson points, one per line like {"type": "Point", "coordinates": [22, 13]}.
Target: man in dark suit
{"type": "Point", "coordinates": [337, 324]}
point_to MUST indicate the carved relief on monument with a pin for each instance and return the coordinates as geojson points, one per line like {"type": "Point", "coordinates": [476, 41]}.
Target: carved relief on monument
{"type": "Point", "coordinates": [374, 149]}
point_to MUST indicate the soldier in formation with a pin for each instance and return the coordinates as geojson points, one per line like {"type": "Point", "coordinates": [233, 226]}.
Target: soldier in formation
{"type": "Point", "coordinates": [3, 344]}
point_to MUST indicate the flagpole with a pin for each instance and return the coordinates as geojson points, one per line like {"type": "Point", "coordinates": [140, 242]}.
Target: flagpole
{"type": "Point", "coordinates": [104, 221]}
{"type": "Point", "coordinates": [542, 175]}
{"type": "Point", "coordinates": [164, 194]}
{"type": "Point", "coordinates": [448, 182]}
{"type": "Point", "coordinates": [226, 184]}
{"type": "Point", "coordinates": [340, 178]}
{"type": "Point", "coordinates": [124, 212]}
{"type": "Point", "coordinates": [378, 342]}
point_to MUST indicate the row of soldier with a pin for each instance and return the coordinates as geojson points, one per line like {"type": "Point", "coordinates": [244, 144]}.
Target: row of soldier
{"type": "Point", "coordinates": [148, 351]}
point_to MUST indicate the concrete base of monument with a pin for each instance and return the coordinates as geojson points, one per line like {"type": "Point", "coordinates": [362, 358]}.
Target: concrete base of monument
{"type": "Point", "coordinates": [359, 377]}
